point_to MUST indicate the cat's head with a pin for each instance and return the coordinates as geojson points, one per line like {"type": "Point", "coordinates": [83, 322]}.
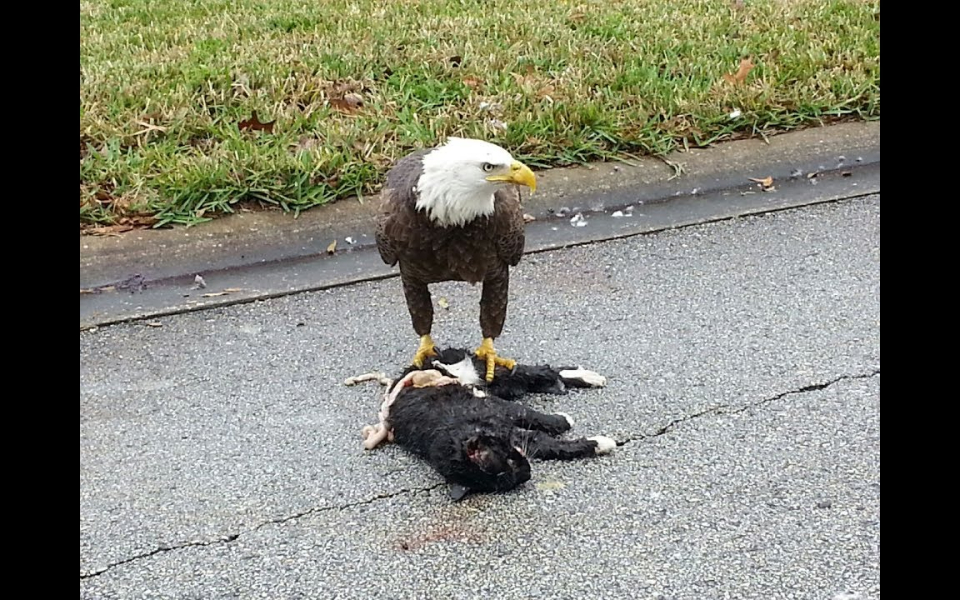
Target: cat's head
{"type": "Point", "coordinates": [492, 464]}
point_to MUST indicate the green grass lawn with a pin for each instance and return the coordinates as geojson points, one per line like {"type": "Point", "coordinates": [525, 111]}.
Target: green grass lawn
{"type": "Point", "coordinates": [353, 85]}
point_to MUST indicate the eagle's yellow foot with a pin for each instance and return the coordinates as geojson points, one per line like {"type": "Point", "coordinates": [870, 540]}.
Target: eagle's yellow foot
{"type": "Point", "coordinates": [427, 348]}
{"type": "Point", "coordinates": [487, 353]}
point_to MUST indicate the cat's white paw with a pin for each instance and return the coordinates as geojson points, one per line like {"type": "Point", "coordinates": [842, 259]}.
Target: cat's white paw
{"type": "Point", "coordinates": [567, 417]}
{"type": "Point", "coordinates": [591, 378]}
{"type": "Point", "coordinates": [604, 444]}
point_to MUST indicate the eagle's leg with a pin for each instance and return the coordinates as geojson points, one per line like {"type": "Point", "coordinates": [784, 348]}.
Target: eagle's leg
{"type": "Point", "coordinates": [420, 306]}
{"type": "Point", "coordinates": [493, 313]}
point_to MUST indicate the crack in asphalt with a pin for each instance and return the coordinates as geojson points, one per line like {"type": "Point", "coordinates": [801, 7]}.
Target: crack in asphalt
{"type": "Point", "coordinates": [736, 409]}
{"type": "Point", "coordinates": [724, 409]}
{"type": "Point", "coordinates": [158, 550]}
{"type": "Point", "coordinates": [234, 536]}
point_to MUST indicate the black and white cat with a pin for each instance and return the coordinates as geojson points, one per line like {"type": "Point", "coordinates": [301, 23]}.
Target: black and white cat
{"type": "Point", "coordinates": [473, 433]}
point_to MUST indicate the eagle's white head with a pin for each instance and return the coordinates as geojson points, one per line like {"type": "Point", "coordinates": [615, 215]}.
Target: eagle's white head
{"type": "Point", "coordinates": [460, 178]}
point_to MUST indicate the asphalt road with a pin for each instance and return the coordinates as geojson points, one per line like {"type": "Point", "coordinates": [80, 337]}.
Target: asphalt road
{"type": "Point", "coordinates": [220, 453]}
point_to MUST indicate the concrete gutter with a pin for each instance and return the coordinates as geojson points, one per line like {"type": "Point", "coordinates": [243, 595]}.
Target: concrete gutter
{"type": "Point", "coordinates": [250, 256]}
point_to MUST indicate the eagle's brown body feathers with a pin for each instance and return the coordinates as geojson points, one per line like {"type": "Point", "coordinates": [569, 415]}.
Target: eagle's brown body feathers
{"type": "Point", "coordinates": [480, 251]}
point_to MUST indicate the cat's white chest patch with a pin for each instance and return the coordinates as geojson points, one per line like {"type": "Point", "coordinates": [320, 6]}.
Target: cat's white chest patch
{"type": "Point", "coordinates": [463, 370]}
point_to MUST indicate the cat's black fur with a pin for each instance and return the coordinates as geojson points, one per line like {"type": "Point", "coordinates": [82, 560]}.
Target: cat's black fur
{"type": "Point", "coordinates": [485, 443]}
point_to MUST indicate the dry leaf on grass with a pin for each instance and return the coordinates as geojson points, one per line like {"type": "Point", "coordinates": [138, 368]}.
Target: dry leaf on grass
{"type": "Point", "coordinates": [109, 229]}
{"type": "Point", "coordinates": [746, 65]}
{"type": "Point", "coordinates": [536, 86]}
{"type": "Point", "coordinates": [254, 124]}
{"type": "Point", "coordinates": [472, 82]}
{"type": "Point", "coordinates": [138, 221]}
{"type": "Point", "coordinates": [349, 103]}
{"type": "Point", "coordinates": [306, 143]}
{"type": "Point", "coordinates": [525, 81]}
{"type": "Point", "coordinates": [578, 14]}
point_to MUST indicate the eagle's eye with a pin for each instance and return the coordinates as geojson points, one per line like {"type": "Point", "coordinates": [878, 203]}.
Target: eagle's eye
{"type": "Point", "coordinates": [488, 167]}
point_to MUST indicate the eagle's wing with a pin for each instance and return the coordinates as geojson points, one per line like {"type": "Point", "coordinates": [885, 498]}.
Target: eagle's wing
{"type": "Point", "coordinates": [387, 229]}
{"type": "Point", "coordinates": [509, 223]}
{"type": "Point", "coordinates": [398, 206]}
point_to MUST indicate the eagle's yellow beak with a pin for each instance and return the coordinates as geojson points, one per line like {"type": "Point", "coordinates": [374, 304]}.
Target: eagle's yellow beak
{"type": "Point", "coordinates": [519, 174]}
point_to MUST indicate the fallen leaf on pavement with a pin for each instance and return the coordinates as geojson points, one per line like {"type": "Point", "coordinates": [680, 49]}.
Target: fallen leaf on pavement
{"type": "Point", "coordinates": [442, 303]}
{"type": "Point", "coordinates": [746, 65]}
{"type": "Point", "coordinates": [199, 283]}
{"type": "Point", "coordinates": [221, 293]}
{"type": "Point", "coordinates": [332, 247]}
{"type": "Point", "coordinates": [153, 324]}
{"type": "Point", "coordinates": [134, 283]}
{"type": "Point", "coordinates": [527, 218]}
{"type": "Point", "coordinates": [375, 376]}
{"type": "Point", "coordinates": [550, 486]}
{"type": "Point", "coordinates": [765, 182]}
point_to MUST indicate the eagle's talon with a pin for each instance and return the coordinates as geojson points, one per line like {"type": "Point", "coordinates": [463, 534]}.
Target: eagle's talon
{"type": "Point", "coordinates": [426, 350]}
{"type": "Point", "coordinates": [487, 353]}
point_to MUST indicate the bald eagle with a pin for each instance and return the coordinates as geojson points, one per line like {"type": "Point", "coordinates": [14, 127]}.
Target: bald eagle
{"type": "Point", "coordinates": [452, 213]}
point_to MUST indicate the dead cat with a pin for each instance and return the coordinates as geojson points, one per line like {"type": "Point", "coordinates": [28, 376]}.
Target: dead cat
{"type": "Point", "coordinates": [475, 434]}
